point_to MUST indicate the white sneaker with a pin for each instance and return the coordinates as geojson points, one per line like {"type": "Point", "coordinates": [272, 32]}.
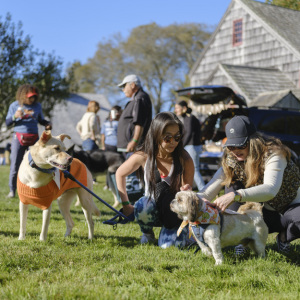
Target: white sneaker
{"type": "Point", "coordinates": [11, 194]}
{"type": "Point", "coordinates": [147, 237]}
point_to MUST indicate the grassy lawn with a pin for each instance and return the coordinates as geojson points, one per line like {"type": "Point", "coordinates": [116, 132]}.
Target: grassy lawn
{"type": "Point", "coordinates": [115, 266]}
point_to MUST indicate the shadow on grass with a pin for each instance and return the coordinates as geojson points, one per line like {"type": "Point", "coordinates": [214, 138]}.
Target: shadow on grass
{"type": "Point", "coordinates": [293, 257]}
{"type": "Point", "coordinates": [73, 240]}
{"type": "Point", "coordinates": [116, 240]}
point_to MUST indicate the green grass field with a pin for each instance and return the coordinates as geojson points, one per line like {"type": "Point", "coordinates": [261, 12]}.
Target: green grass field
{"type": "Point", "coordinates": [115, 266]}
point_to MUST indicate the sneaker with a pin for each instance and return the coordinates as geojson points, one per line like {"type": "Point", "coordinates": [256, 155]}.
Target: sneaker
{"type": "Point", "coordinates": [147, 237]}
{"type": "Point", "coordinates": [11, 194]}
{"type": "Point", "coordinates": [284, 247]}
{"type": "Point", "coordinates": [240, 250]}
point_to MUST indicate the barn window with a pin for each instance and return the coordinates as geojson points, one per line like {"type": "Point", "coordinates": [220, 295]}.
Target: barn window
{"type": "Point", "coordinates": [237, 37]}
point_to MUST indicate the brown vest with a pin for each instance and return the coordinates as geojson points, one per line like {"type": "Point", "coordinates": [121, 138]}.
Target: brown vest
{"type": "Point", "coordinates": [289, 187]}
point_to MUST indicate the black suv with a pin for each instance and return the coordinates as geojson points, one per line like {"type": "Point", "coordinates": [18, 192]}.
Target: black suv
{"type": "Point", "coordinates": [281, 123]}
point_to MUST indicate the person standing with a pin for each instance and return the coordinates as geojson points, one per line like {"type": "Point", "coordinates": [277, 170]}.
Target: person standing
{"type": "Point", "coordinates": [89, 127]}
{"type": "Point", "coordinates": [109, 129]}
{"type": "Point", "coordinates": [136, 116]}
{"type": "Point", "coordinates": [191, 138]}
{"type": "Point", "coordinates": [24, 114]}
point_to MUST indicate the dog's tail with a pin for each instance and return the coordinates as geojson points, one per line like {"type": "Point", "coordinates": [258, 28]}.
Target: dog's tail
{"type": "Point", "coordinates": [252, 209]}
{"type": "Point", "coordinates": [89, 205]}
{"type": "Point", "coordinates": [95, 210]}
{"type": "Point", "coordinates": [250, 206]}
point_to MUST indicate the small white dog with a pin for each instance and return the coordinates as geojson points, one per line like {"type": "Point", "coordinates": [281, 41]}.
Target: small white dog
{"type": "Point", "coordinates": [246, 227]}
{"type": "Point", "coordinates": [40, 181]}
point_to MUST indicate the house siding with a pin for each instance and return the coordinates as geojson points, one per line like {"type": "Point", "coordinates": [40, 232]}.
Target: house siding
{"type": "Point", "coordinates": [259, 48]}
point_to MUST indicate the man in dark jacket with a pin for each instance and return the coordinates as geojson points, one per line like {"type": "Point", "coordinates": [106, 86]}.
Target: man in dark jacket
{"type": "Point", "coordinates": [136, 117]}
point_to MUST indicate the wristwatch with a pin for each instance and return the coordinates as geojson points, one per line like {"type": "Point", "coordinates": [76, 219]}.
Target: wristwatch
{"type": "Point", "coordinates": [237, 197]}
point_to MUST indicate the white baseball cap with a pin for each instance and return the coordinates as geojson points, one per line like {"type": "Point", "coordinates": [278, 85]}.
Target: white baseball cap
{"type": "Point", "coordinates": [130, 78]}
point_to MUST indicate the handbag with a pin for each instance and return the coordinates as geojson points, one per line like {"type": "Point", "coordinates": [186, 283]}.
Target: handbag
{"type": "Point", "coordinates": [163, 198]}
{"type": "Point", "coordinates": [27, 139]}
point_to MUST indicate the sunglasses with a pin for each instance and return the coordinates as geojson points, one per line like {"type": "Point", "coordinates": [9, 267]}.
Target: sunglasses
{"type": "Point", "coordinates": [168, 138]}
{"type": "Point", "coordinates": [231, 148]}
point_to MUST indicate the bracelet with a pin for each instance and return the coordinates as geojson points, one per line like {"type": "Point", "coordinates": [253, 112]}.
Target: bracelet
{"type": "Point", "coordinates": [125, 203]}
{"type": "Point", "coordinates": [136, 141]}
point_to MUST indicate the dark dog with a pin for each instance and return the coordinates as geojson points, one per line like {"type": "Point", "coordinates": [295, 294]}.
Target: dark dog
{"type": "Point", "coordinates": [99, 161]}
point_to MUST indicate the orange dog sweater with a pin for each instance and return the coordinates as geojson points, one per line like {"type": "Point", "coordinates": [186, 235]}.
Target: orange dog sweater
{"type": "Point", "coordinates": [42, 197]}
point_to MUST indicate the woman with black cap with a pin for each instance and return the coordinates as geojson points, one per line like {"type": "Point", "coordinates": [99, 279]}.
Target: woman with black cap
{"type": "Point", "coordinates": [258, 168]}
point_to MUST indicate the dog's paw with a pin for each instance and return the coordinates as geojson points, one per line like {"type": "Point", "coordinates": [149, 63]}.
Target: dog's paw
{"type": "Point", "coordinates": [218, 262]}
{"type": "Point", "coordinates": [43, 238]}
{"type": "Point", "coordinates": [21, 237]}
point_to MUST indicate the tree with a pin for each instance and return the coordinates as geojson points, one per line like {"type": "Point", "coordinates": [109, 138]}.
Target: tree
{"type": "Point", "coordinates": [161, 56]}
{"type": "Point", "coordinates": [292, 4]}
{"type": "Point", "coordinates": [20, 64]}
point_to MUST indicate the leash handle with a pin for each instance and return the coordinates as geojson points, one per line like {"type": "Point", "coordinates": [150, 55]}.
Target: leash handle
{"type": "Point", "coordinates": [70, 176]}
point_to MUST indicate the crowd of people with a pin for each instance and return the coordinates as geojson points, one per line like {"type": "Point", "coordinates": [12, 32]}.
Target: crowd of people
{"type": "Point", "coordinates": [163, 152]}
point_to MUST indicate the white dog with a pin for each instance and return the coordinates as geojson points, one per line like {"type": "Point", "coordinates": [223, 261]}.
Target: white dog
{"type": "Point", "coordinates": [246, 227]}
{"type": "Point", "coordinates": [40, 181]}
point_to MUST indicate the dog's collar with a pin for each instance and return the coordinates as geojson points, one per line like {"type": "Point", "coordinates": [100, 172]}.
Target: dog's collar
{"type": "Point", "coordinates": [33, 165]}
{"type": "Point", "coordinates": [206, 216]}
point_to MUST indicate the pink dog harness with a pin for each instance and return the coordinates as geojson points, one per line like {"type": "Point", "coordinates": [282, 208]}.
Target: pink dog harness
{"type": "Point", "coordinates": [42, 197]}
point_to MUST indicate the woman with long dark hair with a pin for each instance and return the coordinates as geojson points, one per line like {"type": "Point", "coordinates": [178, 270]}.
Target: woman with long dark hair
{"type": "Point", "coordinates": [164, 166]}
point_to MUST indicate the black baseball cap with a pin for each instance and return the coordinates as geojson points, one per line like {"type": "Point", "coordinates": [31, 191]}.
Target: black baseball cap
{"type": "Point", "coordinates": [238, 130]}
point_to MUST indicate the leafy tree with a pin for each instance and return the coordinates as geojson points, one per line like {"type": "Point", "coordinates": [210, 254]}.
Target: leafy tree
{"type": "Point", "coordinates": [20, 64]}
{"type": "Point", "coordinates": [161, 56]}
{"type": "Point", "coordinates": [292, 4]}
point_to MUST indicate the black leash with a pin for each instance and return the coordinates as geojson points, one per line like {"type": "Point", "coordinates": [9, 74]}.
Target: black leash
{"type": "Point", "coordinates": [70, 176]}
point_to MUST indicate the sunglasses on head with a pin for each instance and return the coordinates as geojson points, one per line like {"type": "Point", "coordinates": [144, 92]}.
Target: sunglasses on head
{"type": "Point", "coordinates": [168, 138]}
{"type": "Point", "coordinates": [231, 148]}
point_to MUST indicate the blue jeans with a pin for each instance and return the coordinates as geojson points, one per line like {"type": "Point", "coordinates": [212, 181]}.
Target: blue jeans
{"type": "Point", "coordinates": [146, 215]}
{"type": "Point", "coordinates": [16, 157]}
{"type": "Point", "coordinates": [194, 152]}
{"type": "Point", "coordinates": [89, 145]}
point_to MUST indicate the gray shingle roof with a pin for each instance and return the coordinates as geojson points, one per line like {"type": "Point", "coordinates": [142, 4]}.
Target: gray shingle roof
{"type": "Point", "coordinates": [286, 22]}
{"type": "Point", "coordinates": [252, 81]}
{"type": "Point", "coordinates": [286, 98]}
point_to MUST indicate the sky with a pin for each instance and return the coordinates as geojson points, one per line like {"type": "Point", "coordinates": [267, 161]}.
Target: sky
{"type": "Point", "coordinates": [71, 29]}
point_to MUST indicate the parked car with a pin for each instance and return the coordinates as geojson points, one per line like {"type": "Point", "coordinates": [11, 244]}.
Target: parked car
{"type": "Point", "coordinates": [279, 122]}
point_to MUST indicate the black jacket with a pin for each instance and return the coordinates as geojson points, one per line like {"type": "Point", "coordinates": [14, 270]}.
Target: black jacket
{"type": "Point", "coordinates": [192, 131]}
{"type": "Point", "coordinates": [137, 111]}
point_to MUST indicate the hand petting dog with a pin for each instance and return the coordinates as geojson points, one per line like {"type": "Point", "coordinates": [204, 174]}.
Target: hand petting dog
{"type": "Point", "coordinates": [224, 201]}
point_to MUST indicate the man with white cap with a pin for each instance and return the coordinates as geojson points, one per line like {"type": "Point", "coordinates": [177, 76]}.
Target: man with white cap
{"type": "Point", "coordinates": [136, 117]}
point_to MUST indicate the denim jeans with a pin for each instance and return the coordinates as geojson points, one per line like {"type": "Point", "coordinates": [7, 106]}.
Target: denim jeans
{"type": "Point", "coordinates": [146, 215]}
{"type": "Point", "coordinates": [89, 145]}
{"type": "Point", "coordinates": [194, 152]}
{"type": "Point", "coordinates": [16, 157]}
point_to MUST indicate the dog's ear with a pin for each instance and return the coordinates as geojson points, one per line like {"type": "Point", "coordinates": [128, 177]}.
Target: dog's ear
{"type": "Point", "coordinates": [193, 207]}
{"type": "Point", "coordinates": [70, 150]}
{"type": "Point", "coordinates": [63, 136]}
{"type": "Point", "coordinates": [46, 136]}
